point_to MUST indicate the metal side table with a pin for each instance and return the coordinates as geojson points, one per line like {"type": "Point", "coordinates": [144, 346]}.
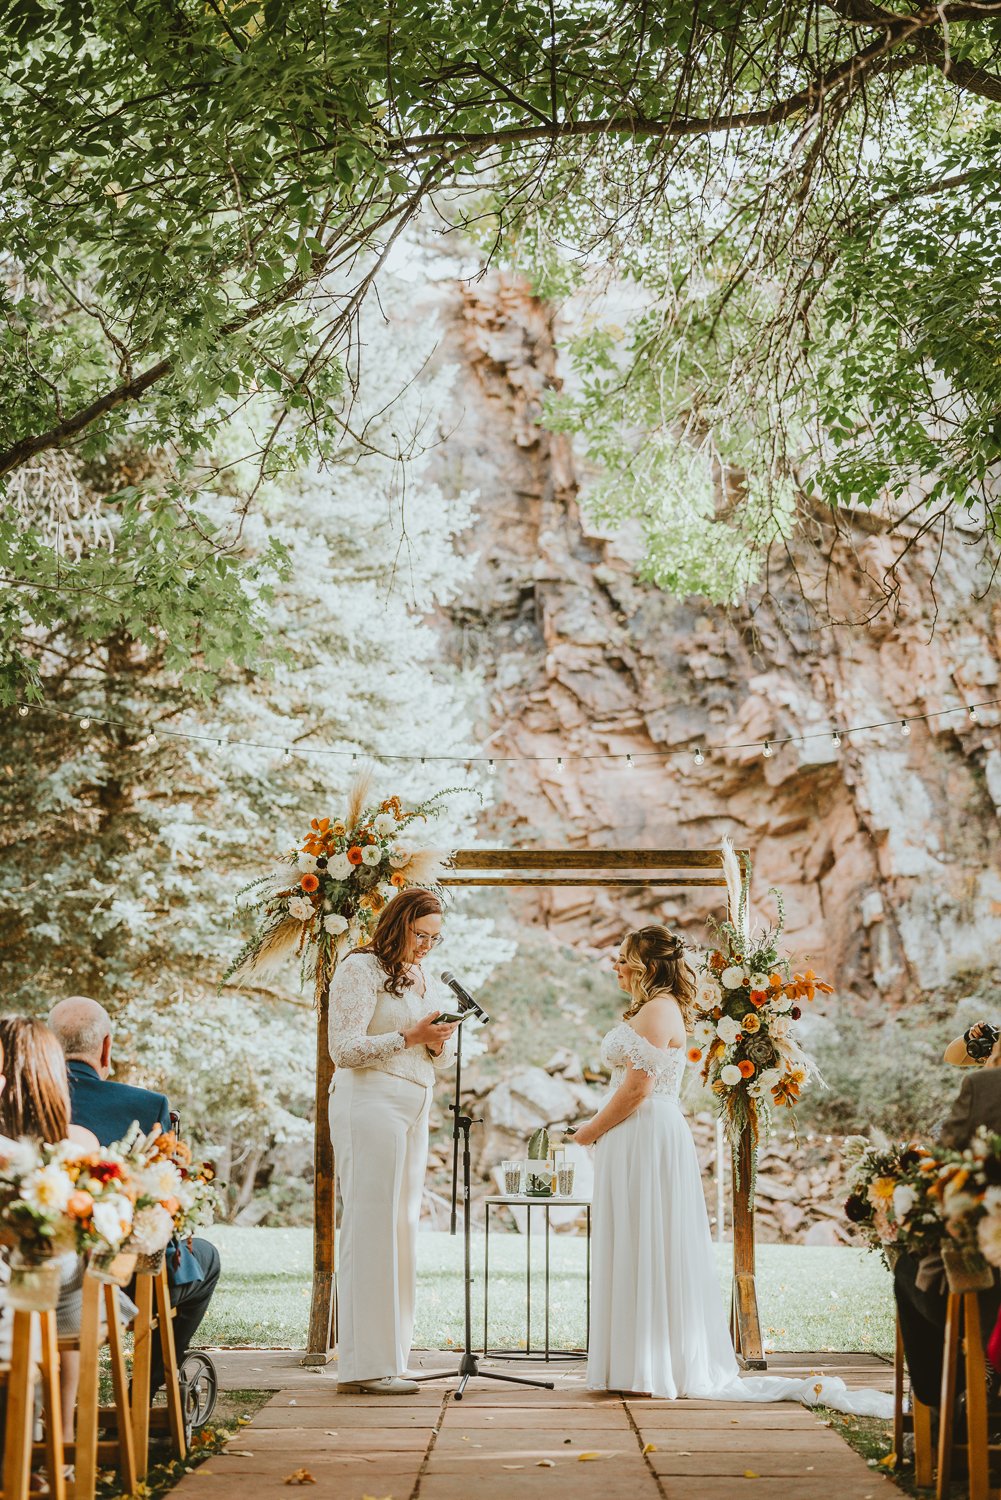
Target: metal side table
{"type": "Point", "coordinates": [546, 1205]}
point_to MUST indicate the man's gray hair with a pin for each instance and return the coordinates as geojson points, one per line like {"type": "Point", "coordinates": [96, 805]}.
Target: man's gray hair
{"type": "Point", "coordinates": [81, 1026]}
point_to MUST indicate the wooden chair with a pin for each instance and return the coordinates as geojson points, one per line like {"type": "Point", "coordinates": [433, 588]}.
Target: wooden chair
{"type": "Point", "coordinates": [19, 1380]}
{"type": "Point", "coordinates": [87, 1450]}
{"type": "Point", "coordinates": [962, 1328]}
{"type": "Point", "coordinates": [917, 1420]}
{"type": "Point", "coordinates": [152, 1297]}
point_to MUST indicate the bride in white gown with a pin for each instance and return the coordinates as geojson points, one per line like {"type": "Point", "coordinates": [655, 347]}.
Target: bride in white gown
{"type": "Point", "coordinates": [657, 1320]}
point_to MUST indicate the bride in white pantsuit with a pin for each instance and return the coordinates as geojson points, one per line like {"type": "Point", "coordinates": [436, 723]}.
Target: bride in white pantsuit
{"type": "Point", "coordinates": [386, 1045]}
{"type": "Point", "coordinates": [657, 1322]}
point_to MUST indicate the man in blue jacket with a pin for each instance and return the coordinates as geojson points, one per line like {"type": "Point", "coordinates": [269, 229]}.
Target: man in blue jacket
{"type": "Point", "coordinates": [108, 1109]}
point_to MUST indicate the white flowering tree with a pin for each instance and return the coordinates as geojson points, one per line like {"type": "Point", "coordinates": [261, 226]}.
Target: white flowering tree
{"type": "Point", "coordinates": [120, 859]}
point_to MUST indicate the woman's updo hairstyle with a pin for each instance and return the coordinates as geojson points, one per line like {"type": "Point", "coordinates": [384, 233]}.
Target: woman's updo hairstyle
{"type": "Point", "coordinates": [656, 965]}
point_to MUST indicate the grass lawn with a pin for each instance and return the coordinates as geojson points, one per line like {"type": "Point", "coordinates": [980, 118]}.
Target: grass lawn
{"type": "Point", "coordinates": [810, 1297]}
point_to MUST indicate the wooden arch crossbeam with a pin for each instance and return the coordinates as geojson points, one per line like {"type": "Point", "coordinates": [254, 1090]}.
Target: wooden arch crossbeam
{"type": "Point", "coordinates": [651, 868]}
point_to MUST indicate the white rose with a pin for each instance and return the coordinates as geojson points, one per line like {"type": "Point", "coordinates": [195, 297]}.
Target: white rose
{"type": "Point", "coordinates": [989, 1238]}
{"type": "Point", "coordinates": [782, 1003]}
{"type": "Point", "coordinates": [384, 825]}
{"type": "Point", "coordinates": [400, 856]}
{"type": "Point", "coordinates": [112, 1218]}
{"type": "Point", "coordinates": [372, 854]}
{"type": "Point", "coordinates": [992, 1200]}
{"type": "Point", "coordinates": [703, 1033]}
{"type": "Point", "coordinates": [733, 977]}
{"type": "Point", "coordinates": [335, 924]}
{"type": "Point", "coordinates": [300, 908]}
{"type": "Point", "coordinates": [151, 1230]}
{"type": "Point", "coordinates": [339, 867]}
{"type": "Point", "coordinates": [904, 1199]}
{"type": "Point", "coordinates": [730, 1075]}
{"type": "Point", "coordinates": [306, 863]}
{"type": "Point", "coordinates": [728, 1029]}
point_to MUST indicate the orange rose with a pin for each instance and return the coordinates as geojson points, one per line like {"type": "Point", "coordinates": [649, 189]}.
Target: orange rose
{"type": "Point", "coordinates": [398, 879]}
{"type": "Point", "coordinates": [751, 1023]}
{"type": "Point", "coordinates": [309, 883]}
{"type": "Point", "coordinates": [746, 1068]}
{"type": "Point", "coordinates": [694, 1054]}
{"type": "Point", "coordinates": [80, 1205]}
{"type": "Point", "coordinates": [355, 855]}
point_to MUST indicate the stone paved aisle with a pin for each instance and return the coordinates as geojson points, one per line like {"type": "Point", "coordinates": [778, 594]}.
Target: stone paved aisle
{"type": "Point", "coordinates": [508, 1443]}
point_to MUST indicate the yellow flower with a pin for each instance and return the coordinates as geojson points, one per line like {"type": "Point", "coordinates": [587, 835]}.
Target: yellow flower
{"type": "Point", "coordinates": [882, 1187]}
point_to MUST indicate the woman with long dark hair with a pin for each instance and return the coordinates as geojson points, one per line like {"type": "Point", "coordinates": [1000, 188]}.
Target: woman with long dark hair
{"type": "Point", "coordinates": [386, 1044]}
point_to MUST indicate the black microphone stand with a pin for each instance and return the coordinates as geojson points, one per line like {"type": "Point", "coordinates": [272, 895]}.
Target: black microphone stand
{"type": "Point", "coordinates": [469, 1364]}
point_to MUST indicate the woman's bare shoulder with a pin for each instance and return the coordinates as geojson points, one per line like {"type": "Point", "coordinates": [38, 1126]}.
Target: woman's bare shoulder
{"type": "Point", "coordinates": [81, 1136]}
{"type": "Point", "coordinates": [660, 1021]}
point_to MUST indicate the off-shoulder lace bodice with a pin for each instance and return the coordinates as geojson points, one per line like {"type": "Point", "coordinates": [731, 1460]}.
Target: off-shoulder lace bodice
{"type": "Point", "coordinates": [622, 1046]}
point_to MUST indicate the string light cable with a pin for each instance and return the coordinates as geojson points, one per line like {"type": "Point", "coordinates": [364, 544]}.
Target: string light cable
{"type": "Point", "coordinates": [152, 737]}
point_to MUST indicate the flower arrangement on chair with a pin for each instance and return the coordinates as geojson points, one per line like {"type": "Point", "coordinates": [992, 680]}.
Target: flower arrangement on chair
{"type": "Point", "coordinates": [748, 1000]}
{"type": "Point", "coordinates": [326, 897]}
{"type": "Point", "coordinates": [173, 1195]}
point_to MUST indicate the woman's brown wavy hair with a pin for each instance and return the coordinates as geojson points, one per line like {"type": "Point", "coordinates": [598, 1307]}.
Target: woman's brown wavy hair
{"type": "Point", "coordinates": [656, 965]}
{"type": "Point", "coordinates": [389, 940]}
{"type": "Point", "coordinates": [36, 1101]}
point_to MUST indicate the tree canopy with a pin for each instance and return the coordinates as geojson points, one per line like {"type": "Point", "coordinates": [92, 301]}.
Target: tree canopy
{"type": "Point", "coordinates": [196, 199]}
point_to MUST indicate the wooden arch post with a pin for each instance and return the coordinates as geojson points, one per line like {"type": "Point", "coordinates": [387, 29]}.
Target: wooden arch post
{"type": "Point", "coordinates": [651, 868]}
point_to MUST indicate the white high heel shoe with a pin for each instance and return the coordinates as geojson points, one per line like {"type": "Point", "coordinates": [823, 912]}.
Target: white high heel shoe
{"type": "Point", "coordinates": [389, 1385]}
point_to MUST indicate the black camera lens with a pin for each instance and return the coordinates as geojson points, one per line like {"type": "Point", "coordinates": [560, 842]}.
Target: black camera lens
{"type": "Point", "coordinates": [979, 1047]}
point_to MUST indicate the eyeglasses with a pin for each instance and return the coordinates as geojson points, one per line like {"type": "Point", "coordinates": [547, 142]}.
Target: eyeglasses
{"type": "Point", "coordinates": [431, 940]}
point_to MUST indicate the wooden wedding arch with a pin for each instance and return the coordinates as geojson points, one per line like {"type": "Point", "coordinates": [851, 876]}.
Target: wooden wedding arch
{"type": "Point", "coordinates": [651, 868]}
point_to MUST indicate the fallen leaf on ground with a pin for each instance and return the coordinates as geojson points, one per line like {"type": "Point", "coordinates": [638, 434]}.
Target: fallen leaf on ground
{"type": "Point", "coordinates": [545, 1463]}
{"type": "Point", "coordinates": [300, 1476]}
{"type": "Point", "coordinates": [649, 1447]}
{"type": "Point", "coordinates": [236, 1453]}
{"type": "Point", "coordinates": [584, 1458]}
{"type": "Point", "coordinates": [889, 1462]}
{"type": "Point", "coordinates": [512, 1466]}
{"type": "Point", "coordinates": [683, 1453]}
{"type": "Point", "coordinates": [750, 1474]}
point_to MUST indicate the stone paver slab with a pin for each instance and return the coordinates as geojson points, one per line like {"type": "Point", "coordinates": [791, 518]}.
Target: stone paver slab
{"type": "Point", "coordinates": [318, 1440]}
{"type": "Point", "coordinates": [620, 1482]}
{"type": "Point", "coordinates": [865, 1488]}
{"type": "Point", "coordinates": [807, 1465]}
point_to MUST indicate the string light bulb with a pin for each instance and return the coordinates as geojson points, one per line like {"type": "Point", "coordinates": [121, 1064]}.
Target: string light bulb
{"type": "Point", "coordinates": [23, 711]}
{"type": "Point", "coordinates": [152, 740]}
{"type": "Point", "coordinates": [84, 723]}
{"type": "Point", "coordinates": [767, 750]}
{"type": "Point", "coordinates": [972, 711]}
{"type": "Point", "coordinates": [836, 740]}
{"type": "Point", "coordinates": [697, 756]}
{"type": "Point", "coordinates": [905, 728]}
{"type": "Point", "coordinates": [559, 765]}
{"type": "Point", "coordinates": [629, 763]}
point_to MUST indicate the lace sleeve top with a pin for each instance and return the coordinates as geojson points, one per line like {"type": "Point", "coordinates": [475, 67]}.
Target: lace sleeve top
{"type": "Point", "coordinates": [365, 1022]}
{"type": "Point", "coordinates": [622, 1047]}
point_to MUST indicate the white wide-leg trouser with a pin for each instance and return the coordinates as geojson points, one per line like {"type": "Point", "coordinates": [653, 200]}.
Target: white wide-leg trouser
{"type": "Point", "coordinates": [379, 1130]}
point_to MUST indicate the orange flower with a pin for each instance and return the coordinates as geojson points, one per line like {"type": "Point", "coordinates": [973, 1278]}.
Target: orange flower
{"type": "Point", "coordinates": [320, 824]}
{"type": "Point", "coordinates": [717, 962]}
{"type": "Point", "coordinates": [746, 1068]}
{"type": "Point", "coordinates": [354, 854]}
{"type": "Point", "coordinates": [694, 1054]}
{"type": "Point", "coordinates": [759, 997]}
{"type": "Point", "coordinates": [309, 883]}
{"type": "Point", "coordinates": [79, 1205]}
{"type": "Point", "coordinates": [786, 1091]}
{"type": "Point", "coordinates": [398, 879]}
{"type": "Point", "coordinates": [775, 980]}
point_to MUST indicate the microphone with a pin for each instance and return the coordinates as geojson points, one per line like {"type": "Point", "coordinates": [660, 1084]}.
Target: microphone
{"type": "Point", "coordinates": [466, 999]}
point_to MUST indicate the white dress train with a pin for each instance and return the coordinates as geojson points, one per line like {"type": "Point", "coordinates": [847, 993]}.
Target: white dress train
{"type": "Point", "coordinates": [657, 1318]}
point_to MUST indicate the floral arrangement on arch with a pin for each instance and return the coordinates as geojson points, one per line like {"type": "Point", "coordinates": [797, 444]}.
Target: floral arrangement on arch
{"type": "Point", "coordinates": [748, 1000]}
{"type": "Point", "coordinates": [326, 897]}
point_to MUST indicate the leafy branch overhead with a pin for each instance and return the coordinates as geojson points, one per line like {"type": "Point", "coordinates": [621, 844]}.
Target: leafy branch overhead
{"type": "Point", "coordinates": [196, 199]}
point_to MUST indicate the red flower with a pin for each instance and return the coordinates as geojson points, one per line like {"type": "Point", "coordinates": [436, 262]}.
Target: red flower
{"type": "Point", "coordinates": [759, 997]}
{"type": "Point", "coordinates": [354, 855]}
{"type": "Point", "coordinates": [105, 1171]}
{"type": "Point", "coordinates": [795, 1012]}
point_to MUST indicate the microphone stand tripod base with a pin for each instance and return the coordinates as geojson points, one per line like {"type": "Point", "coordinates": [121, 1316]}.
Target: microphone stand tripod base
{"type": "Point", "coordinates": [469, 1365]}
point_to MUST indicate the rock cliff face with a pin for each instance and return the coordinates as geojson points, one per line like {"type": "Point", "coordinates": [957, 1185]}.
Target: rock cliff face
{"type": "Point", "coordinates": [885, 848]}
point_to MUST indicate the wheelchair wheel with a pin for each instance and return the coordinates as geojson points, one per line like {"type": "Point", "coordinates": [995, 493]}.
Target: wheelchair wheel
{"type": "Point", "coordinates": [199, 1384]}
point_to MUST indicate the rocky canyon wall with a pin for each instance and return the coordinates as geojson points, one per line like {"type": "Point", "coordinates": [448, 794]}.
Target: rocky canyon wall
{"type": "Point", "coordinates": [885, 848]}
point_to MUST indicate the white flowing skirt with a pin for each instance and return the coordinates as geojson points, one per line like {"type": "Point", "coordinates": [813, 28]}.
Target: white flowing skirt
{"type": "Point", "coordinates": [657, 1319]}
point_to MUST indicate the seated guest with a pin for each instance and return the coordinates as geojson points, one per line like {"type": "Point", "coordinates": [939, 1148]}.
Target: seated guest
{"type": "Point", "coordinates": [35, 1103]}
{"type": "Point", "coordinates": [108, 1108]}
{"type": "Point", "coordinates": [919, 1285]}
